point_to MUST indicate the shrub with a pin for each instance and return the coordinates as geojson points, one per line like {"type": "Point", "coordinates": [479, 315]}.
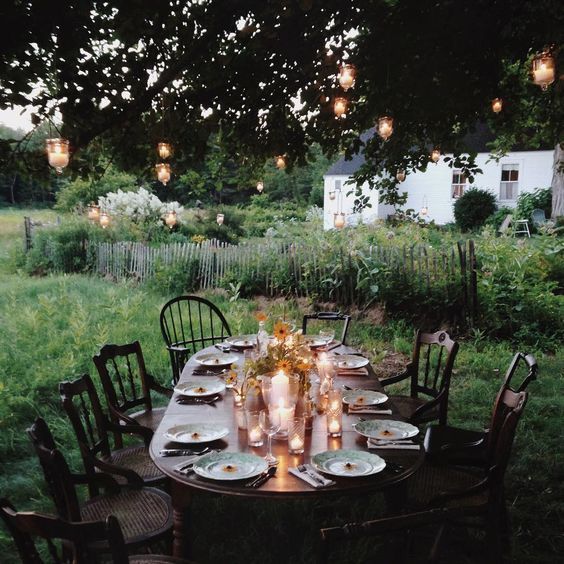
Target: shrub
{"type": "Point", "coordinates": [540, 199]}
{"type": "Point", "coordinates": [473, 208]}
{"type": "Point", "coordinates": [496, 219]}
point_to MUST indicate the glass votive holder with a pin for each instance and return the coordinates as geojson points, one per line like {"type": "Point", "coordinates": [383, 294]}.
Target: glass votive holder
{"type": "Point", "coordinates": [296, 435]}
{"type": "Point", "coordinates": [309, 406]}
{"type": "Point", "coordinates": [254, 432]}
{"type": "Point", "coordinates": [237, 398]}
{"type": "Point", "coordinates": [334, 400]}
{"type": "Point", "coordinates": [334, 413]}
{"type": "Point", "coordinates": [240, 418]}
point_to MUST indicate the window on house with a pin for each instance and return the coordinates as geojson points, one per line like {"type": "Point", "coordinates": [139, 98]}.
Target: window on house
{"type": "Point", "coordinates": [509, 186]}
{"type": "Point", "coordinates": [458, 183]}
{"type": "Point", "coordinates": [337, 184]}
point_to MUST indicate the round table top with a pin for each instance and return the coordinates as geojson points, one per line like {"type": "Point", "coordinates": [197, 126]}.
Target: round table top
{"type": "Point", "coordinates": [283, 484]}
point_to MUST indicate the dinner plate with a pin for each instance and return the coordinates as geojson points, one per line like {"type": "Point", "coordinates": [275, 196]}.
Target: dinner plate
{"type": "Point", "coordinates": [384, 429]}
{"type": "Point", "coordinates": [230, 465]}
{"type": "Point", "coordinates": [193, 433]}
{"type": "Point", "coordinates": [348, 463]}
{"type": "Point", "coordinates": [364, 397]}
{"type": "Point", "coordinates": [242, 341]}
{"type": "Point", "coordinates": [200, 388]}
{"type": "Point", "coordinates": [314, 342]}
{"type": "Point", "coordinates": [216, 359]}
{"type": "Point", "coordinates": [350, 361]}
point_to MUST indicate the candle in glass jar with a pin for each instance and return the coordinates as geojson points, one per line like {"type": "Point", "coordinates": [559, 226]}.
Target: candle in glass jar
{"type": "Point", "coordinates": [255, 434]}
{"type": "Point", "coordinates": [334, 426]}
{"type": "Point", "coordinates": [280, 388]}
{"type": "Point", "coordinates": [296, 443]}
{"type": "Point", "coordinates": [544, 75]}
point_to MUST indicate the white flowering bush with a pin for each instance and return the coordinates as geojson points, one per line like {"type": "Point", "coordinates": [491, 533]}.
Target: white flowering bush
{"type": "Point", "coordinates": [314, 214]}
{"type": "Point", "coordinates": [140, 206]}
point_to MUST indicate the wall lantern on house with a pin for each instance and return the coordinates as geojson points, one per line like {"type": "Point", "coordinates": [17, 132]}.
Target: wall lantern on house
{"type": "Point", "coordinates": [332, 194]}
{"type": "Point", "coordinates": [339, 220]}
{"type": "Point", "coordinates": [543, 69]}
{"type": "Point", "coordinates": [164, 150]}
{"type": "Point", "coordinates": [385, 127]}
{"type": "Point", "coordinates": [260, 186]}
{"type": "Point", "coordinates": [58, 153]}
{"type": "Point", "coordinates": [340, 106]}
{"type": "Point", "coordinates": [497, 105]}
{"type": "Point", "coordinates": [94, 212]}
{"type": "Point", "coordinates": [280, 162]}
{"type": "Point", "coordinates": [347, 76]}
{"type": "Point", "coordinates": [163, 172]}
{"type": "Point", "coordinates": [220, 218]}
{"type": "Point", "coordinates": [435, 155]}
{"type": "Point", "coordinates": [104, 220]}
{"type": "Point", "coordinates": [400, 175]}
{"type": "Point", "coordinates": [170, 218]}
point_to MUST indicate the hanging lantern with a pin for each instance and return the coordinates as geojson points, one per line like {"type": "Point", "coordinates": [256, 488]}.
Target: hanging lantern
{"type": "Point", "coordinates": [385, 127]}
{"type": "Point", "coordinates": [170, 218]}
{"type": "Point", "coordinates": [543, 69]}
{"type": "Point", "coordinates": [332, 194]}
{"type": "Point", "coordinates": [497, 105]}
{"type": "Point", "coordinates": [280, 161]}
{"type": "Point", "coordinates": [340, 106]}
{"type": "Point", "coordinates": [58, 153]}
{"type": "Point", "coordinates": [94, 212]}
{"type": "Point", "coordinates": [435, 155]}
{"type": "Point", "coordinates": [424, 211]}
{"type": "Point", "coordinates": [347, 76]}
{"type": "Point", "coordinates": [104, 220]}
{"type": "Point", "coordinates": [339, 220]}
{"type": "Point", "coordinates": [163, 172]}
{"type": "Point", "coordinates": [260, 186]}
{"type": "Point", "coordinates": [220, 218]}
{"type": "Point", "coordinates": [400, 175]}
{"type": "Point", "coordinates": [164, 150]}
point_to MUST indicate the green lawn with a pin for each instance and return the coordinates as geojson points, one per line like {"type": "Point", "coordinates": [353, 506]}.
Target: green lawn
{"type": "Point", "coordinates": [51, 327]}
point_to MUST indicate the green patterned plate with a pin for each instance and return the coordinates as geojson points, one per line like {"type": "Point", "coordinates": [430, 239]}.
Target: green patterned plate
{"type": "Point", "coordinates": [200, 388]}
{"type": "Point", "coordinates": [348, 463]}
{"type": "Point", "coordinates": [193, 433]}
{"type": "Point", "coordinates": [385, 430]}
{"type": "Point", "coordinates": [230, 466]}
{"type": "Point", "coordinates": [364, 397]}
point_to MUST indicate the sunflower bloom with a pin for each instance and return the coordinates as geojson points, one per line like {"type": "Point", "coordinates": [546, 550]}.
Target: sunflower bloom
{"type": "Point", "coordinates": [284, 365]}
{"type": "Point", "coordinates": [261, 316]}
{"type": "Point", "coordinates": [281, 330]}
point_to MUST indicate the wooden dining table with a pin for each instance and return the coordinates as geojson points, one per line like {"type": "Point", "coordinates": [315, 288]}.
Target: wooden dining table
{"type": "Point", "coordinates": [391, 481]}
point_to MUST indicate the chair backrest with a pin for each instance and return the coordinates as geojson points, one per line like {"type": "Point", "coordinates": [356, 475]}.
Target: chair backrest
{"type": "Point", "coordinates": [81, 403]}
{"type": "Point", "coordinates": [56, 471]}
{"type": "Point", "coordinates": [538, 217]}
{"type": "Point", "coordinates": [124, 377]}
{"type": "Point", "coordinates": [26, 526]}
{"type": "Point", "coordinates": [329, 316]}
{"type": "Point", "coordinates": [505, 224]}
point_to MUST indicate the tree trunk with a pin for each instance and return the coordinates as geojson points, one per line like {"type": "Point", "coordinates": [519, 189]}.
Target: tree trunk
{"type": "Point", "coordinates": [12, 195]}
{"type": "Point", "coordinates": [558, 182]}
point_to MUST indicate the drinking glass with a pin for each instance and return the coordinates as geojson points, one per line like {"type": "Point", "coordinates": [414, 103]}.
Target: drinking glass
{"type": "Point", "coordinates": [270, 425]}
{"type": "Point", "coordinates": [254, 431]}
{"type": "Point", "coordinates": [327, 335]}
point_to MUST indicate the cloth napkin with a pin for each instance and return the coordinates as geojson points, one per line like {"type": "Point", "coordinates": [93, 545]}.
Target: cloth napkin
{"type": "Point", "coordinates": [352, 372]}
{"type": "Point", "coordinates": [187, 460]}
{"type": "Point", "coordinates": [406, 446]}
{"type": "Point", "coordinates": [306, 478]}
{"type": "Point", "coordinates": [367, 409]}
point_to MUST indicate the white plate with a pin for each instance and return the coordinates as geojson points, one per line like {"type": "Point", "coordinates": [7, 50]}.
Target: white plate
{"type": "Point", "coordinates": [194, 433]}
{"type": "Point", "coordinates": [216, 359]}
{"type": "Point", "coordinates": [314, 342]}
{"type": "Point", "coordinates": [364, 397]}
{"type": "Point", "coordinates": [348, 463]}
{"type": "Point", "coordinates": [200, 388]}
{"type": "Point", "coordinates": [230, 466]}
{"type": "Point", "coordinates": [242, 341]}
{"type": "Point", "coordinates": [350, 361]}
{"type": "Point", "coordinates": [385, 430]}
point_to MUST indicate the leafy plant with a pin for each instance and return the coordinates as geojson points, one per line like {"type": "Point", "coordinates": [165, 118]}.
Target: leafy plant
{"type": "Point", "coordinates": [473, 208]}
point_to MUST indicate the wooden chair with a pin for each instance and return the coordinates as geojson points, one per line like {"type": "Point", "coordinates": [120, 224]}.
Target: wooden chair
{"type": "Point", "coordinates": [127, 385]}
{"type": "Point", "coordinates": [189, 324]}
{"type": "Point", "coordinates": [26, 526]}
{"type": "Point", "coordinates": [398, 538]}
{"type": "Point", "coordinates": [479, 493]}
{"type": "Point", "coordinates": [452, 445]}
{"type": "Point", "coordinates": [429, 373]}
{"type": "Point", "coordinates": [92, 427]}
{"type": "Point", "coordinates": [145, 514]}
{"type": "Point", "coordinates": [331, 316]}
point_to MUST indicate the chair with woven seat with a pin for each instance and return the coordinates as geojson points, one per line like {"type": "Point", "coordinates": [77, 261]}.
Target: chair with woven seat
{"type": "Point", "coordinates": [189, 324]}
{"type": "Point", "coordinates": [479, 492]}
{"type": "Point", "coordinates": [145, 514]}
{"type": "Point", "coordinates": [127, 386]}
{"type": "Point", "coordinates": [453, 445]}
{"type": "Point", "coordinates": [25, 527]}
{"type": "Point", "coordinates": [329, 316]}
{"type": "Point", "coordinates": [92, 427]}
{"type": "Point", "coordinates": [429, 374]}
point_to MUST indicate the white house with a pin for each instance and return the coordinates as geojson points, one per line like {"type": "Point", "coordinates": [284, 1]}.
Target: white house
{"type": "Point", "coordinates": [438, 187]}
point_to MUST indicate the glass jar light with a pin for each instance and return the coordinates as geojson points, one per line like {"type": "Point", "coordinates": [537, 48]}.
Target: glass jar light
{"type": "Point", "coordinates": [280, 161]}
{"type": "Point", "coordinates": [340, 106]}
{"type": "Point", "coordinates": [385, 127]}
{"type": "Point", "coordinates": [400, 175]}
{"type": "Point", "coordinates": [543, 69]}
{"type": "Point", "coordinates": [260, 186]}
{"type": "Point", "coordinates": [339, 220]}
{"type": "Point", "coordinates": [163, 172]}
{"type": "Point", "coordinates": [170, 218]}
{"type": "Point", "coordinates": [220, 218]}
{"type": "Point", "coordinates": [94, 212]}
{"type": "Point", "coordinates": [58, 153]}
{"type": "Point", "coordinates": [164, 150]}
{"type": "Point", "coordinates": [347, 76]}
{"type": "Point", "coordinates": [435, 155]}
{"type": "Point", "coordinates": [104, 220]}
{"type": "Point", "coordinates": [497, 105]}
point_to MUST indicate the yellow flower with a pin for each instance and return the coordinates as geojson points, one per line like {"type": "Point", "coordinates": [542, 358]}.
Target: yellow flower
{"type": "Point", "coordinates": [261, 316]}
{"type": "Point", "coordinates": [281, 330]}
{"type": "Point", "coordinates": [231, 378]}
{"type": "Point", "coordinates": [284, 365]}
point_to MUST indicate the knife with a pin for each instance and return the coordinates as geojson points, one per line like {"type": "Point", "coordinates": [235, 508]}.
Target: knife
{"type": "Point", "coordinates": [182, 452]}
{"type": "Point", "coordinates": [262, 478]}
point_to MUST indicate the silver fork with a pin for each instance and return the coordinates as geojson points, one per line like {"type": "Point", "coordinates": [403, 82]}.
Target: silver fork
{"type": "Point", "coordinates": [303, 469]}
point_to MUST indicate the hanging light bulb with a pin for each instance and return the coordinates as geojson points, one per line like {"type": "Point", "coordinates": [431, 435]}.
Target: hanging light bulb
{"type": "Point", "coordinates": [497, 105]}
{"type": "Point", "coordinates": [93, 212]}
{"type": "Point", "coordinates": [425, 207]}
{"type": "Point", "coordinates": [58, 153]}
{"type": "Point", "coordinates": [104, 220]}
{"type": "Point", "coordinates": [435, 155]}
{"type": "Point", "coordinates": [280, 161]}
{"type": "Point", "coordinates": [339, 220]}
{"type": "Point", "coordinates": [220, 218]}
{"type": "Point", "coordinates": [170, 218]}
{"type": "Point", "coordinates": [340, 106]}
{"type": "Point", "coordinates": [332, 194]}
{"type": "Point", "coordinates": [400, 175]}
{"type": "Point", "coordinates": [543, 69]}
{"type": "Point", "coordinates": [385, 127]}
{"type": "Point", "coordinates": [164, 150]}
{"type": "Point", "coordinates": [260, 186]}
{"type": "Point", "coordinates": [347, 76]}
{"type": "Point", "coordinates": [163, 172]}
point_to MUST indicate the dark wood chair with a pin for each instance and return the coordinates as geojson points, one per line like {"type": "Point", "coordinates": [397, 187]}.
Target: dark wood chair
{"type": "Point", "coordinates": [453, 445]}
{"type": "Point", "coordinates": [25, 527]}
{"type": "Point", "coordinates": [480, 493]}
{"type": "Point", "coordinates": [145, 514]}
{"type": "Point", "coordinates": [189, 324]}
{"type": "Point", "coordinates": [397, 540]}
{"type": "Point", "coordinates": [128, 386]}
{"type": "Point", "coordinates": [92, 429]}
{"type": "Point", "coordinates": [329, 316]}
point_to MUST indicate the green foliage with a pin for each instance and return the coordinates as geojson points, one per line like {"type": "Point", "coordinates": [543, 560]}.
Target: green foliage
{"type": "Point", "coordinates": [473, 208]}
{"type": "Point", "coordinates": [496, 219]}
{"type": "Point", "coordinates": [175, 279]}
{"type": "Point", "coordinates": [527, 202]}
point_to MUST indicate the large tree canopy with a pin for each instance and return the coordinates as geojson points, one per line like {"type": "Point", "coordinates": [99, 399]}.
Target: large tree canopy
{"type": "Point", "coordinates": [127, 72]}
